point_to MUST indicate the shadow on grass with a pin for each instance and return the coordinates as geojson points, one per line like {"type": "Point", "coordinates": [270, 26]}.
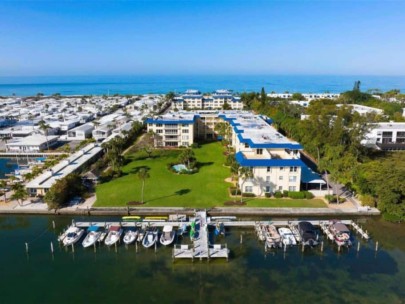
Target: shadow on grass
{"type": "Point", "coordinates": [138, 168]}
{"type": "Point", "coordinates": [200, 164]}
{"type": "Point", "coordinates": [178, 192]}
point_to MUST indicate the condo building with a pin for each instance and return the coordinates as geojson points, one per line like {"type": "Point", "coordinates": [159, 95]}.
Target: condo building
{"type": "Point", "coordinates": [274, 160]}
{"type": "Point", "coordinates": [194, 99]}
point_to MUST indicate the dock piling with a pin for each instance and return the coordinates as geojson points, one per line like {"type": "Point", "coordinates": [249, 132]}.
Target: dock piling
{"type": "Point", "coordinates": [115, 244]}
{"type": "Point", "coordinates": [156, 246]}
{"type": "Point", "coordinates": [53, 225]}
{"type": "Point", "coordinates": [73, 247]}
{"type": "Point", "coordinates": [303, 247]}
{"type": "Point", "coordinates": [136, 247]}
{"type": "Point", "coordinates": [358, 246]}
{"type": "Point", "coordinates": [376, 246]}
{"type": "Point", "coordinates": [51, 247]}
{"type": "Point", "coordinates": [285, 247]}
{"type": "Point", "coordinates": [26, 247]}
{"type": "Point", "coordinates": [322, 246]}
{"type": "Point", "coordinates": [241, 238]}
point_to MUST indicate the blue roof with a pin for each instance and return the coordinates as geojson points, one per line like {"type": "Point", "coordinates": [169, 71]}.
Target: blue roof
{"type": "Point", "coordinates": [291, 146]}
{"type": "Point", "coordinates": [274, 162]}
{"type": "Point", "coordinates": [309, 176]}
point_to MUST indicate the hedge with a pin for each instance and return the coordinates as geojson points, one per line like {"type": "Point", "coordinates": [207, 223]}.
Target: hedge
{"type": "Point", "coordinates": [247, 194]}
{"type": "Point", "coordinates": [278, 194]}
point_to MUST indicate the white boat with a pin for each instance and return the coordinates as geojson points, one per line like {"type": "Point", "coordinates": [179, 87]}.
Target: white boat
{"type": "Point", "coordinates": [113, 236]}
{"type": "Point", "coordinates": [287, 236]}
{"type": "Point", "coordinates": [167, 236]}
{"type": "Point", "coordinates": [296, 233]}
{"type": "Point", "coordinates": [93, 234]}
{"type": "Point", "coordinates": [130, 236]}
{"type": "Point", "coordinates": [150, 238]}
{"type": "Point", "coordinates": [273, 239]}
{"type": "Point", "coordinates": [341, 234]}
{"type": "Point", "coordinates": [223, 218]}
{"type": "Point", "coordinates": [141, 234]}
{"type": "Point", "coordinates": [73, 234]}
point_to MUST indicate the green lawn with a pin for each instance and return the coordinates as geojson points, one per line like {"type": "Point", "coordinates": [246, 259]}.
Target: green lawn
{"type": "Point", "coordinates": [204, 189]}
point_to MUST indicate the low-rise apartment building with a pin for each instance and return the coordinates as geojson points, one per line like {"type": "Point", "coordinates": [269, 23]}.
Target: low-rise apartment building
{"type": "Point", "coordinates": [386, 136]}
{"type": "Point", "coordinates": [194, 99]}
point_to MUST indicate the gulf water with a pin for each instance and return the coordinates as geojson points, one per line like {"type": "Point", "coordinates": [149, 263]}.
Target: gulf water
{"type": "Point", "coordinates": [98, 85]}
{"type": "Point", "coordinates": [250, 275]}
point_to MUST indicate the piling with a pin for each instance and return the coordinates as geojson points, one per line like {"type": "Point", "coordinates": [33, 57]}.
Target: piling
{"type": "Point", "coordinates": [322, 246]}
{"type": "Point", "coordinates": [376, 246]}
{"type": "Point", "coordinates": [155, 246]}
{"type": "Point", "coordinates": [358, 246]}
{"type": "Point", "coordinates": [136, 246]}
{"type": "Point", "coordinates": [115, 244]}
{"type": "Point", "coordinates": [303, 247]}
{"type": "Point", "coordinates": [73, 247]}
{"type": "Point", "coordinates": [51, 247]}
{"type": "Point", "coordinates": [26, 247]}
{"type": "Point", "coordinates": [339, 248]}
{"type": "Point", "coordinates": [241, 238]}
{"type": "Point", "coordinates": [94, 245]}
{"type": "Point", "coordinates": [53, 225]}
{"type": "Point", "coordinates": [285, 247]}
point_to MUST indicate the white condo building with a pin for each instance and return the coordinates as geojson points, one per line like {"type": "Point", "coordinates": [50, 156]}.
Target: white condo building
{"type": "Point", "coordinates": [386, 136]}
{"type": "Point", "coordinates": [194, 99]}
{"type": "Point", "coordinates": [275, 160]}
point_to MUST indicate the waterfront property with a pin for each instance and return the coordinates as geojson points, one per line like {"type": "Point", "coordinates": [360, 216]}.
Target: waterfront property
{"type": "Point", "coordinates": [274, 160]}
{"type": "Point", "coordinates": [32, 143]}
{"type": "Point", "coordinates": [194, 99]}
{"type": "Point", "coordinates": [386, 136]}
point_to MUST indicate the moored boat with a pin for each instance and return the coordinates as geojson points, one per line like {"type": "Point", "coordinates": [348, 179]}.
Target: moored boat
{"type": "Point", "coordinates": [182, 229]}
{"type": "Point", "coordinates": [167, 236]}
{"type": "Point", "coordinates": [287, 236]}
{"type": "Point", "coordinates": [273, 239]}
{"type": "Point", "coordinates": [156, 218]}
{"type": "Point", "coordinates": [93, 234]}
{"type": "Point", "coordinates": [219, 229]}
{"type": "Point", "coordinates": [130, 235]}
{"type": "Point", "coordinates": [340, 232]}
{"type": "Point", "coordinates": [308, 233]}
{"type": "Point", "coordinates": [73, 234]}
{"type": "Point", "coordinates": [132, 218]}
{"type": "Point", "coordinates": [113, 236]}
{"type": "Point", "coordinates": [150, 238]}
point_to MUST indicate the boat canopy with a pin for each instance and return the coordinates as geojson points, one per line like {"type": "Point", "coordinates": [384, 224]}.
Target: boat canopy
{"type": "Point", "coordinates": [167, 228]}
{"type": "Point", "coordinates": [340, 227]}
{"type": "Point", "coordinates": [115, 228]}
{"type": "Point", "coordinates": [92, 228]}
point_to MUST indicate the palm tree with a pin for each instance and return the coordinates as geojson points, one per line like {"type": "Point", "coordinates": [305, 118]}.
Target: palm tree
{"type": "Point", "coordinates": [244, 173]}
{"type": "Point", "coordinates": [187, 156]}
{"type": "Point", "coordinates": [143, 175]}
{"type": "Point", "coordinates": [45, 127]}
{"type": "Point", "coordinates": [3, 186]}
{"type": "Point", "coordinates": [234, 172]}
{"type": "Point", "coordinates": [20, 194]}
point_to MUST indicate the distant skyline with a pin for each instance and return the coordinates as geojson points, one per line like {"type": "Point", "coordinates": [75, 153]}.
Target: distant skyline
{"type": "Point", "coordinates": [202, 37]}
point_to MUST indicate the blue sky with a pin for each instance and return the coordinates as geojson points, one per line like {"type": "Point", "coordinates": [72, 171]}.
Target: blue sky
{"type": "Point", "coordinates": [363, 37]}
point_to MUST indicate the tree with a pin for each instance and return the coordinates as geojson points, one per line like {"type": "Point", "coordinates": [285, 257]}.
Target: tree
{"type": "Point", "coordinates": [226, 106]}
{"type": "Point", "coordinates": [263, 97]}
{"type": "Point", "coordinates": [187, 156]}
{"type": "Point", "coordinates": [244, 173]}
{"type": "Point", "coordinates": [45, 127]}
{"type": "Point", "coordinates": [234, 172]}
{"type": "Point", "coordinates": [20, 194]}
{"type": "Point", "coordinates": [3, 186]}
{"type": "Point", "coordinates": [143, 174]}
{"type": "Point", "coordinates": [169, 96]}
{"type": "Point", "coordinates": [63, 190]}
{"type": "Point", "coordinates": [297, 96]}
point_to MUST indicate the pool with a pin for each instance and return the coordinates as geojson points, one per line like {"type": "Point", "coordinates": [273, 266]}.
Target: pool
{"type": "Point", "coordinates": [180, 167]}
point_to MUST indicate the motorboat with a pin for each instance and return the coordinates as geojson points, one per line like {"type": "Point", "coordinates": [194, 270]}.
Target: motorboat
{"type": "Point", "coordinates": [167, 236]}
{"type": "Point", "coordinates": [340, 232]}
{"type": "Point", "coordinates": [223, 218]}
{"type": "Point", "coordinates": [113, 236]}
{"type": "Point", "coordinates": [182, 230]}
{"type": "Point", "coordinates": [295, 232]}
{"type": "Point", "coordinates": [141, 234]}
{"type": "Point", "coordinates": [73, 234]}
{"type": "Point", "coordinates": [93, 234]}
{"type": "Point", "coordinates": [132, 218]}
{"type": "Point", "coordinates": [287, 236]}
{"type": "Point", "coordinates": [150, 238]}
{"type": "Point", "coordinates": [273, 238]}
{"type": "Point", "coordinates": [308, 233]}
{"type": "Point", "coordinates": [156, 218]}
{"type": "Point", "coordinates": [219, 229]}
{"type": "Point", "coordinates": [130, 235]}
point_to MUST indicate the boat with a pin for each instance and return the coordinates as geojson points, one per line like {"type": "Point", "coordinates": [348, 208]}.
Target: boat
{"type": "Point", "coordinates": [167, 236]}
{"type": "Point", "coordinates": [287, 236]}
{"type": "Point", "coordinates": [130, 235]}
{"type": "Point", "coordinates": [113, 236]}
{"type": "Point", "coordinates": [219, 229]}
{"type": "Point", "coordinates": [93, 234]}
{"type": "Point", "coordinates": [223, 218]}
{"type": "Point", "coordinates": [141, 234]}
{"type": "Point", "coordinates": [156, 218]}
{"type": "Point", "coordinates": [132, 218]}
{"type": "Point", "coordinates": [73, 234]}
{"type": "Point", "coordinates": [273, 238]}
{"type": "Point", "coordinates": [182, 229]}
{"type": "Point", "coordinates": [103, 234]}
{"type": "Point", "coordinates": [340, 232]}
{"type": "Point", "coordinates": [308, 233]}
{"type": "Point", "coordinates": [295, 232]}
{"type": "Point", "coordinates": [150, 238]}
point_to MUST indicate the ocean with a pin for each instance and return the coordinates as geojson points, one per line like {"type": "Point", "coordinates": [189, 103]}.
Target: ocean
{"type": "Point", "coordinates": [99, 85]}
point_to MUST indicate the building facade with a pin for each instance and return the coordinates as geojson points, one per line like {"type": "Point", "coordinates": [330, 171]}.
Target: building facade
{"type": "Point", "coordinates": [194, 99]}
{"type": "Point", "coordinates": [386, 136]}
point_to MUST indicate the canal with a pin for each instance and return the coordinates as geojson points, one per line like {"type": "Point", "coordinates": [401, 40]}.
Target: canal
{"type": "Point", "coordinates": [250, 275]}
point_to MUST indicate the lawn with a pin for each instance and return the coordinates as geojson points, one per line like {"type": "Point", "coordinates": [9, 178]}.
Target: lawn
{"type": "Point", "coordinates": [204, 189]}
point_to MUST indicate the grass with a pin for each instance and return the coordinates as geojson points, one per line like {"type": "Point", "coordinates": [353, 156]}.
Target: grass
{"type": "Point", "coordinates": [204, 189]}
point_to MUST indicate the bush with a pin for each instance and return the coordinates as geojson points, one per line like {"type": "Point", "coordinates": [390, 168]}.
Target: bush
{"type": "Point", "coordinates": [247, 194]}
{"type": "Point", "coordinates": [367, 200]}
{"type": "Point", "coordinates": [308, 195]}
{"type": "Point", "coordinates": [278, 194]}
{"type": "Point", "coordinates": [331, 198]}
{"type": "Point", "coordinates": [234, 191]}
{"type": "Point", "coordinates": [285, 193]}
{"type": "Point", "coordinates": [267, 194]}
{"type": "Point", "coordinates": [195, 146]}
{"type": "Point", "coordinates": [296, 194]}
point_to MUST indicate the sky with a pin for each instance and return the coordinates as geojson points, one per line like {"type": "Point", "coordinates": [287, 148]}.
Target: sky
{"type": "Point", "coordinates": [117, 37]}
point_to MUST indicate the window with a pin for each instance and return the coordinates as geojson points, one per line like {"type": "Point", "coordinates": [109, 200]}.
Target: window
{"type": "Point", "coordinates": [293, 169]}
{"type": "Point", "coordinates": [292, 188]}
{"type": "Point", "coordinates": [280, 188]}
{"type": "Point", "coordinates": [281, 168]}
{"type": "Point", "coordinates": [293, 179]}
{"type": "Point", "coordinates": [184, 137]}
{"type": "Point", "coordinates": [268, 169]}
{"type": "Point", "coordinates": [267, 178]}
{"type": "Point", "coordinates": [184, 143]}
{"type": "Point", "coordinates": [280, 177]}
{"type": "Point", "coordinates": [259, 151]}
{"type": "Point", "coordinates": [184, 131]}
{"type": "Point", "coordinates": [246, 145]}
{"type": "Point", "coordinates": [159, 131]}
{"type": "Point", "coordinates": [159, 125]}
{"type": "Point", "coordinates": [185, 125]}
{"type": "Point", "coordinates": [249, 189]}
{"type": "Point", "coordinates": [267, 189]}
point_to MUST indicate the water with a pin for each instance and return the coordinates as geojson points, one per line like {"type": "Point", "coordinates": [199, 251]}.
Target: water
{"type": "Point", "coordinates": [180, 167]}
{"type": "Point", "coordinates": [97, 85]}
{"type": "Point", "coordinates": [7, 165]}
{"type": "Point", "coordinates": [250, 276]}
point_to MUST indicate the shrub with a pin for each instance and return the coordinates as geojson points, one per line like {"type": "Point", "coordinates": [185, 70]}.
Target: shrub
{"type": "Point", "coordinates": [234, 191]}
{"type": "Point", "coordinates": [330, 198]}
{"type": "Point", "coordinates": [195, 146]}
{"type": "Point", "coordinates": [247, 194]}
{"type": "Point", "coordinates": [267, 194]}
{"type": "Point", "coordinates": [296, 194]}
{"type": "Point", "coordinates": [308, 195]}
{"type": "Point", "coordinates": [285, 193]}
{"type": "Point", "coordinates": [278, 194]}
{"type": "Point", "coordinates": [367, 200]}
